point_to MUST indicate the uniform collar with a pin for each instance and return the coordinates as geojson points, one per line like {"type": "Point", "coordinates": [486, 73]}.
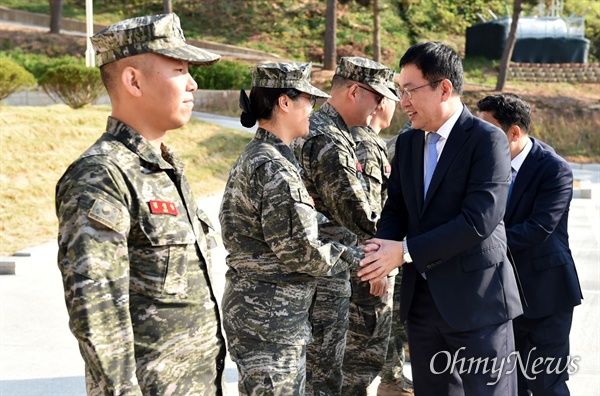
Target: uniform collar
{"type": "Point", "coordinates": [142, 147]}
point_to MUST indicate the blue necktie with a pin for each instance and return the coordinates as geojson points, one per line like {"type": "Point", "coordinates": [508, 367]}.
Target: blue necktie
{"type": "Point", "coordinates": [432, 154]}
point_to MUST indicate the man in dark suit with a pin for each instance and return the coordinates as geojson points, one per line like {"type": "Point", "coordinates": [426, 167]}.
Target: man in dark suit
{"type": "Point", "coordinates": [443, 220]}
{"type": "Point", "coordinates": [536, 230]}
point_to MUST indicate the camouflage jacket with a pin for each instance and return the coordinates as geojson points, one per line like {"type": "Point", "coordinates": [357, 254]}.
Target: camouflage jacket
{"type": "Point", "coordinates": [371, 152]}
{"type": "Point", "coordinates": [333, 178]}
{"type": "Point", "coordinates": [132, 251]}
{"type": "Point", "coordinates": [270, 231]}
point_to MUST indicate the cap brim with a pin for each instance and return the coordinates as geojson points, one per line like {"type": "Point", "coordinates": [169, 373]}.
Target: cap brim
{"type": "Point", "coordinates": [194, 55]}
{"type": "Point", "coordinates": [384, 90]}
{"type": "Point", "coordinates": [308, 88]}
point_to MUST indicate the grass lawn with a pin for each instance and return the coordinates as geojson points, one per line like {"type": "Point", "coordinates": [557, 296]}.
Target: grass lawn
{"type": "Point", "coordinates": [39, 143]}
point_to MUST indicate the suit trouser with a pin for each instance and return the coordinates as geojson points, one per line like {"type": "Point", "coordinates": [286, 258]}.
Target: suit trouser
{"type": "Point", "coordinates": [544, 339]}
{"type": "Point", "coordinates": [445, 361]}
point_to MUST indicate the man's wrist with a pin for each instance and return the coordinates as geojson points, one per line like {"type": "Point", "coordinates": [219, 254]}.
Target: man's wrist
{"type": "Point", "coordinates": [406, 254]}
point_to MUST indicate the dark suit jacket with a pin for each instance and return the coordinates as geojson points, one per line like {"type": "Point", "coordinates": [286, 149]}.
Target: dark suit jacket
{"type": "Point", "coordinates": [456, 235]}
{"type": "Point", "coordinates": [536, 229]}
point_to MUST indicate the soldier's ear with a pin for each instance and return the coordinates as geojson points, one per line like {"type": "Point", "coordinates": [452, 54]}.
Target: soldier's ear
{"type": "Point", "coordinates": [283, 102]}
{"type": "Point", "coordinates": [130, 80]}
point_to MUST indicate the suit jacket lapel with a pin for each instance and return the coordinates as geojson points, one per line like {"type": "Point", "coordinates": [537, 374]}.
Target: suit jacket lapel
{"type": "Point", "coordinates": [457, 138]}
{"type": "Point", "coordinates": [525, 174]}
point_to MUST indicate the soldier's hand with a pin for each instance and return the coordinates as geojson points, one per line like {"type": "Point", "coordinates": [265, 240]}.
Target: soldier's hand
{"type": "Point", "coordinates": [379, 288]}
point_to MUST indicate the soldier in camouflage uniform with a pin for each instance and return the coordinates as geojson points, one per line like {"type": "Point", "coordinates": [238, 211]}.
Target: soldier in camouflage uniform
{"type": "Point", "coordinates": [133, 249]}
{"type": "Point", "coordinates": [370, 316]}
{"type": "Point", "coordinates": [333, 177]}
{"type": "Point", "coordinates": [269, 228]}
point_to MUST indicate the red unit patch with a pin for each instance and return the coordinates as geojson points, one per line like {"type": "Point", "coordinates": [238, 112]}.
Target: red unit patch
{"type": "Point", "coordinates": [163, 207]}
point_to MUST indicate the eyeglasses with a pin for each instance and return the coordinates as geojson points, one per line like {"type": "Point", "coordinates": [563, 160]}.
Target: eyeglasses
{"type": "Point", "coordinates": [408, 92]}
{"type": "Point", "coordinates": [377, 94]}
{"type": "Point", "coordinates": [311, 98]}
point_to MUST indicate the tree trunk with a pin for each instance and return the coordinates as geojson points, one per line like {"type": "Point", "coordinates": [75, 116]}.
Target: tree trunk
{"type": "Point", "coordinates": [330, 55]}
{"type": "Point", "coordinates": [167, 6]}
{"type": "Point", "coordinates": [376, 32]}
{"type": "Point", "coordinates": [509, 46]}
{"type": "Point", "coordinates": [55, 15]}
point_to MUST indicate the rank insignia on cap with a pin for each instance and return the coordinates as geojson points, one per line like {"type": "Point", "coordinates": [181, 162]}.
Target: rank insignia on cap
{"type": "Point", "coordinates": [163, 207]}
{"type": "Point", "coordinates": [104, 212]}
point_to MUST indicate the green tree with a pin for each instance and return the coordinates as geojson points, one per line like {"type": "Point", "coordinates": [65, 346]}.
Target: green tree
{"type": "Point", "coordinates": [75, 85]}
{"type": "Point", "coordinates": [13, 77]}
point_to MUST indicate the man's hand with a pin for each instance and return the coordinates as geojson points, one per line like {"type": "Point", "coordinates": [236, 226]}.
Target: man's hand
{"type": "Point", "coordinates": [379, 288]}
{"type": "Point", "coordinates": [378, 264]}
{"type": "Point", "coordinates": [371, 246]}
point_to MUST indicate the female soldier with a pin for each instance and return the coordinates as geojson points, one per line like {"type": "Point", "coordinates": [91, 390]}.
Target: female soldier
{"type": "Point", "coordinates": [269, 228]}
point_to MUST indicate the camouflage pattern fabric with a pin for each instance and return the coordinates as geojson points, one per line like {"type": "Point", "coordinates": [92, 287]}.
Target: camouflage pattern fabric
{"type": "Point", "coordinates": [371, 152]}
{"type": "Point", "coordinates": [370, 316]}
{"type": "Point", "coordinates": [133, 254]}
{"type": "Point", "coordinates": [333, 177]}
{"type": "Point", "coordinates": [268, 368]}
{"type": "Point", "coordinates": [367, 71]}
{"type": "Point", "coordinates": [395, 358]}
{"type": "Point", "coordinates": [367, 338]}
{"type": "Point", "coordinates": [334, 180]}
{"type": "Point", "coordinates": [269, 228]}
{"type": "Point", "coordinates": [285, 75]}
{"type": "Point", "coordinates": [159, 34]}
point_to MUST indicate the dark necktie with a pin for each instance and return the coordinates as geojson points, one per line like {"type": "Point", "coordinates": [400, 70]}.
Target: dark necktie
{"type": "Point", "coordinates": [512, 183]}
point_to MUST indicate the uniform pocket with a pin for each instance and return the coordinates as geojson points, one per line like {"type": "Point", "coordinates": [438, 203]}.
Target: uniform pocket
{"type": "Point", "coordinates": [163, 270]}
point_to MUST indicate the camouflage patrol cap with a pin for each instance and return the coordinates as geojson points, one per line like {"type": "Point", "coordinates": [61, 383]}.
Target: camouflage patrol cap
{"type": "Point", "coordinates": [391, 84]}
{"type": "Point", "coordinates": [285, 75]}
{"type": "Point", "coordinates": [159, 34]}
{"type": "Point", "coordinates": [366, 71]}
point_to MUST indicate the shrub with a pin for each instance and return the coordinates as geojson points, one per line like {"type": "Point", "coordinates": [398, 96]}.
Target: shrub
{"type": "Point", "coordinates": [13, 77]}
{"type": "Point", "coordinates": [223, 75]}
{"type": "Point", "coordinates": [75, 85]}
{"type": "Point", "coordinates": [38, 64]}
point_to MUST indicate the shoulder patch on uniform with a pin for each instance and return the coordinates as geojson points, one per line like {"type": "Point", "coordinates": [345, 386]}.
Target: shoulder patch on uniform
{"type": "Point", "coordinates": [104, 212]}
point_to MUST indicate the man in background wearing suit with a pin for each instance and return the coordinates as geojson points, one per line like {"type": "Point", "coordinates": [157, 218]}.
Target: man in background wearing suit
{"type": "Point", "coordinates": [443, 218]}
{"type": "Point", "coordinates": [536, 229]}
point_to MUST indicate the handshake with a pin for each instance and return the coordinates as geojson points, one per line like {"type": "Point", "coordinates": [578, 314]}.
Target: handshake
{"type": "Point", "coordinates": [382, 256]}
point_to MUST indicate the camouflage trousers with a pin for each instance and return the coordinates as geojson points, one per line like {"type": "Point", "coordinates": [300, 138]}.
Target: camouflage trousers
{"type": "Point", "coordinates": [368, 337]}
{"type": "Point", "coordinates": [267, 368]}
{"type": "Point", "coordinates": [329, 320]}
{"type": "Point", "coordinates": [394, 361]}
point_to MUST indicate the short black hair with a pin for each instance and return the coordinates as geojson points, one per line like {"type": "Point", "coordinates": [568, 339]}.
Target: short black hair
{"type": "Point", "coordinates": [437, 61]}
{"type": "Point", "coordinates": [508, 109]}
